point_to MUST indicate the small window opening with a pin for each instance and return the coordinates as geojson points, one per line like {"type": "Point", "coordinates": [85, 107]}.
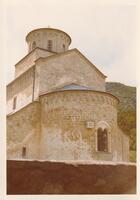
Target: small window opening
{"type": "Point", "coordinates": [63, 47]}
{"type": "Point", "coordinates": [102, 138]}
{"type": "Point", "coordinates": [24, 152]}
{"type": "Point", "coordinates": [14, 102]}
{"type": "Point", "coordinates": [34, 45]}
{"type": "Point", "coordinates": [49, 45]}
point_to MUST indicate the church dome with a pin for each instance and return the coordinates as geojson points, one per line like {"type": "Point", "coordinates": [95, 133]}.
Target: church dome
{"type": "Point", "coordinates": [53, 40]}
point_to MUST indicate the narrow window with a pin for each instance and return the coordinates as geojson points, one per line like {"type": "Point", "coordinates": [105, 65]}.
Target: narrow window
{"type": "Point", "coordinates": [14, 102]}
{"type": "Point", "coordinates": [49, 45]}
{"type": "Point", "coordinates": [63, 47]}
{"type": "Point", "coordinates": [34, 45]}
{"type": "Point", "coordinates": [24, 152]}
{"type": "Point", "coordinates": [102, 139]}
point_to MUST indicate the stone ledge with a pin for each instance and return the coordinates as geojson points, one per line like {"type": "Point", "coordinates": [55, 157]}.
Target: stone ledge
{"type": "Point", "coordinates": [52, 177]}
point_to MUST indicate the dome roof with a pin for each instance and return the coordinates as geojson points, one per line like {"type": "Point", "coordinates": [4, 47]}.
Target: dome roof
{"type": "Point", "coordinates": [50, 39]}
{"type": "Point", "coordinates": [74, 87]}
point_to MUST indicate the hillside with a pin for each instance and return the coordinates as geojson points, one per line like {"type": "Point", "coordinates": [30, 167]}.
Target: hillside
{"type": "Point", "coordinates": [126, 111]}
{"type": "Point", "coordinates": [126, 95]}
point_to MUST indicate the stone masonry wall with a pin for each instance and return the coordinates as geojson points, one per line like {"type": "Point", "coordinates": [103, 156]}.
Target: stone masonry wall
{"type": "Point", "coordinates": [29, 60]}
{"type": "Point", "coordinates": [22, 89]}
{"type": "Point", "coordinates": [124, 145]}
{"type": "Point", "coordinates": [23, 130]}
{"type": "Point", "coordinates": [65, 135]}
{"type": "Point", "coordinates": [70, 68]}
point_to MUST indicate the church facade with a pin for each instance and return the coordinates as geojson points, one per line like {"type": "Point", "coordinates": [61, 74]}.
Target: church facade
{"type": "Point", "coordinates": [57, 106]}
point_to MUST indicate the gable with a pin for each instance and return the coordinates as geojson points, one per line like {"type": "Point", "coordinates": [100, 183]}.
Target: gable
{"type": "Point", "coordinates": [78, 53]}
{"type": "Point", "coordinates": [90, 63]}
{"type": "Point", "coordinates": [69, 68]}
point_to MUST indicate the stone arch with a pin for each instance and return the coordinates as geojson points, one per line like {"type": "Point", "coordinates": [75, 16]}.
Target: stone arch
{"type": "Point", "coordinates": [103, 125]}
{"type": "Point", "coordinates": [103, 136]}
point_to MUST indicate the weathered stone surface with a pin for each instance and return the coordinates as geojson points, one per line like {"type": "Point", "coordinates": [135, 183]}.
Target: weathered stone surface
{"type": "Point", "coordinates": [67, 68]}
{"type": "Point", "coordinates": [34, 177]}
{"type": "Point", "coordinates": [23, 130]}
{"type": "Point", "coordinates": [22, 89]}
{"type": "Point", "coordinates": [45, 122]}
{"type": "Point", "coordinates": [29, 60]}
{"type": "Point", "coordinates": [60, 39]}
{"type": "Point", "coordinates": [49, 74]}
{"type": "Point", "coordinates": [65, 135]}
{"type": "Point", "coordinates": [55, 127]}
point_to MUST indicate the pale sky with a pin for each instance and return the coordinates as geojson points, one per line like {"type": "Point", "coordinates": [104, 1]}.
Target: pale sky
{"type": "Point", "coordinates": [105, 34]}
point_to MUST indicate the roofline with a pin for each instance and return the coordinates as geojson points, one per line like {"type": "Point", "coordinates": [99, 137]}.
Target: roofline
{"type": "Point", "coordinates": [16, 78]}
{"type": "Point", "coordinates": [68, 51]}
{"type": "Point", "coordinates": [21, 109]}
{"type": "Point", "coordinates": [53, 29]}
{"type": "Point", "coordinates": [47, 93]}
{"type": "Point", "coordinates": [91, 64]}
{"type": "Point", "coordinates": [95, 91]}
{"type": "Point", "coordinates": [32, 52]}
{"type": "Point", "coordinates": [59, 54]}
{"type": "Point", "coordinates": [51, 57]}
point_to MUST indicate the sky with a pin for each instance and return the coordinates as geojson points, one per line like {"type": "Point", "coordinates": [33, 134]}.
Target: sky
{"type": "Point", "coordinates": [104, 33]}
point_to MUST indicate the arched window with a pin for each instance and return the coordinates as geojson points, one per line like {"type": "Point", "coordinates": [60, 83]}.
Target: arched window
{"type": "Point", "coordinates": [102, 140]}
{"type": "Point", "coordinates": [34, 45]}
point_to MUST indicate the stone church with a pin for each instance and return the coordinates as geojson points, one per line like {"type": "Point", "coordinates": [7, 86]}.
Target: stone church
{"type": "Point", "coordinates": [57, 106]}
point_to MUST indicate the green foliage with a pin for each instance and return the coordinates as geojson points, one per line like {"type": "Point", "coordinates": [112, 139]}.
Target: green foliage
{"type": "Point", "coordinates": [126, 110]}
{"type": "Point", "coordinates": [132, 157]}
{"type": "Point", "coordinates": [127, 122]}
{"type": "Point", "coordinates": [133, 139]}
